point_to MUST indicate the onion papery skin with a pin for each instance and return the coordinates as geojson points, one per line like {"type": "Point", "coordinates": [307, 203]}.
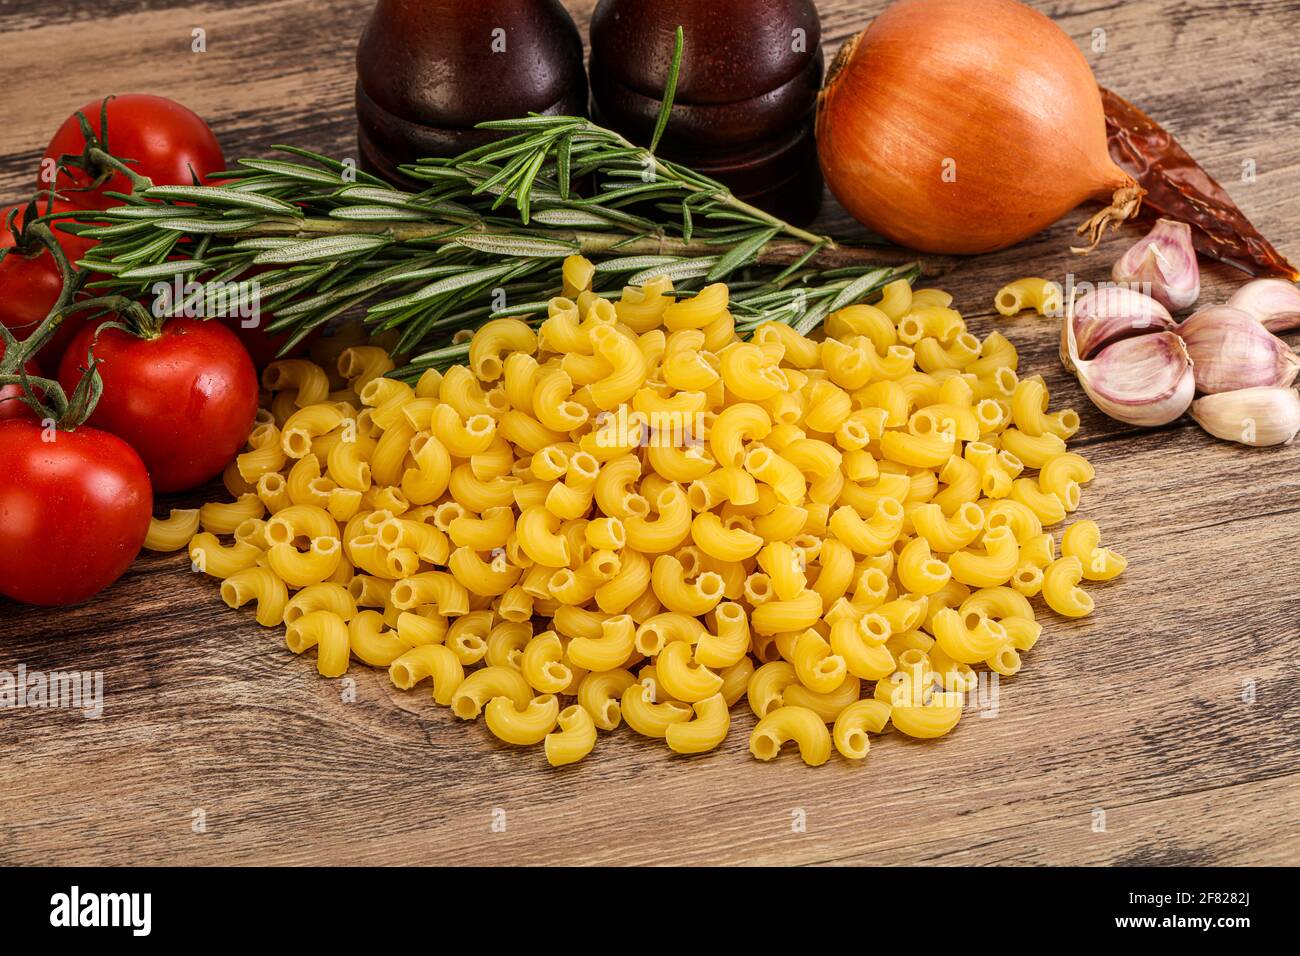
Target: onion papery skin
{"type": "Point", "coordinates": [964, 126]}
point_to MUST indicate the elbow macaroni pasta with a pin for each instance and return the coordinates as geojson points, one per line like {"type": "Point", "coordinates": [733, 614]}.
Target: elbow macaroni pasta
{"type": "Point", "coordinates": [625, 514]}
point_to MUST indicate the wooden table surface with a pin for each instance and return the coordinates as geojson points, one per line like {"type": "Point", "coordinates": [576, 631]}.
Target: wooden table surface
{"type": "Point", "coordinates": [1173, 709]}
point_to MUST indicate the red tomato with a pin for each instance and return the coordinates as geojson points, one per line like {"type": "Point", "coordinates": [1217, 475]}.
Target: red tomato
{"type": "Point", "coordinates": [10, 404]}
{"type": "Point", "coordinates": [74, 512]}
{"type": "Point", "coordinates": [184, 400]}
{"type": "Point", "coordinates": [30, 285]}
{"type": "Point", "coordinates": [168, 142]}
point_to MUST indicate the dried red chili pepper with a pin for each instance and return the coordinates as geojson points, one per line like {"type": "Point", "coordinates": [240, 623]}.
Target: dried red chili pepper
{"type": "Point", "coordinates": [1178, 188]}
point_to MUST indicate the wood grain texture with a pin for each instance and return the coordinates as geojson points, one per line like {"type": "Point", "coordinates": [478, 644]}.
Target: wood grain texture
{"type": "Point", "coordinates": [1139, 711]}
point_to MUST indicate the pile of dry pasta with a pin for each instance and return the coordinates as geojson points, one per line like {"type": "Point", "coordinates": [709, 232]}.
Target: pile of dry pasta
{"type": "Point", "coordinates": [630, 515]}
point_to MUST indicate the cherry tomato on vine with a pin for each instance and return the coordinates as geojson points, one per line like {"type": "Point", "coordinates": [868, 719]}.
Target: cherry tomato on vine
{"type": "Point", "coordinates": [10, 404]}
{"type": "Point", "coordinates": [185, 400]}
{"type": "Point", "coordinates": [30, 285]}
{"type": "Point", "coordinates": [169, 143]}
{"type": "Point", "coordinates": [74, 512]}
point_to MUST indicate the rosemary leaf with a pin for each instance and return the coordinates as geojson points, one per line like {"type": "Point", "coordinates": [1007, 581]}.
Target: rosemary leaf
{"type": "Point", "coordinates": [571, 218]}
{"type": "Point", "coordinates": [407, 274]}
{"type": "Point", "coordinates": [326, 247]}
{"type": "Point", "coordinates": [524, 309]}
{"type": "Point", "coordinates": [147, 212]}
{"type": "Point", "coordinates": [637, 263]}
{"type": "Point", "coordinates": [115, 232]}
{"type": "Point", "coordinates": [396, 198]}
{"type": "Point", "coordinates": [378, 214]}
{"type": "Point", "coordinates": [859, 287]}
{"type": "Point", "coordinates": [563, 162]}
{"type": "Point", "coordinates": [526, 185]}
{"type": "Point", "coordinates": [519, 247]}
{"type": "Point", "coordinates": [442, 287]}
{"type": "Point", "coordinates": [742, 253]}
{"type": "Point", "coordinates": [532, 122]}
{"type": "Point", "coordinates": [221, 196]}
{"type": "Point", "coordinates": [685, 269]}
{"type": "Point", "coordinates": [798, 264]}
{"type": "Point", "coordinates": [670, 89]}
{"type": "Point", "coordinates": [214, 227]}
{"type": "Point", "coordinates": [294, 171]}
{"type": "Point", "coordinates": [163, 270]}
{"type": "Point", "coordinates": [151, 250]}
{"type": "Point", "coordinates": [349, 168]}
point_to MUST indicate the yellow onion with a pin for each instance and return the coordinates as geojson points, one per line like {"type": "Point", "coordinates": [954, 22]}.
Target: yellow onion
{"type": "Point", "coordinates": [964, 126]}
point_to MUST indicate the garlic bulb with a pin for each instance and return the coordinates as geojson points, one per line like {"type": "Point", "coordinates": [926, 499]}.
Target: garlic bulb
{"type": "Point", "coordinates": [1111, 313]}
{"type": "Point", "coordinates": [1163, 264]}
{"type": "Point", "coordinates": [1232, 351]}
{"type": "Point", "coordinates": [1251, 416]}
{"type": "Point", "coordinates": [1145, 381]}
{"type": "Point", "coordinates": [1274, 303]}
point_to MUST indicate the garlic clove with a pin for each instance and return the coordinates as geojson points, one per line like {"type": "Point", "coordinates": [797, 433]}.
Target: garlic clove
{"type": "Point", "coordinates": [1143, 381]}
{"type": "Point", "coordinates": [1232, 351]}
{"type": "Point", "coordinates": [1251, 416]}
{"type": "Point", "coordinates": [1106, 315]}
{"type": "Point", "coordinates": [1163, 264]}
{"type": "Point", "coordinates": [1274, 303]}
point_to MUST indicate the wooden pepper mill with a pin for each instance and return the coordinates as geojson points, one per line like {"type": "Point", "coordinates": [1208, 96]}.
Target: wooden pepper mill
{"type": "Point", "coordinates": [746, 95]}
{"type": "Point", "coordinates": [429, 70]}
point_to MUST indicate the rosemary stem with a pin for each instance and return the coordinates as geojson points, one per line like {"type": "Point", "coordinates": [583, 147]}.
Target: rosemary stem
{"type": "Point", "coordinates": [781, 252]}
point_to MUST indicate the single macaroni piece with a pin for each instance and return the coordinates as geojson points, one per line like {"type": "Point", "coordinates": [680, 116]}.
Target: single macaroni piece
{"type": "Point", "coordinates": [313, 566]}
{"type": "Point", "coordinates": [1083, 541]}
{"type": "Point", "coordinates": [173, 532]}
{"type": "Point", "coordinates": [853, 724]}
{"type": "Point", "coordinates": [522, 726]}
{"type": "Point", "coordinates": [1061, 588]}
{"type": "Point", "coordinates": [328, 633]}
{"type": "Point", "coordinates": [649, 716]}
{"type": "Point", "coordinates": [683, 677]}
{"type": "Point", "coordinates": [218, 518]}
{"type": "Point", "coordinates": [600, 693]}
{"type": "Point", "coordinates": [1041, 295]}
{"type": "Point", "coordinates": [705, 731]}
{"type": "Point", "coordinates": [265, 455]}
{"type": "Point", "coordinates": [827, 705]}
{"type": "Point", "coordinates": [371, 643]}
{"type": "Point", "coordinates": [787, 723]}
{"type": "Point", "coordinates": [209, 556]}
{"type": "Point", "coordinates": [1000, 557]}
{"type": "Point", "coordinates": [1062, 477]}
{"type": "Point", "coordinates": [575, 739]}
{"type": "Point", "coordinates": [260, 585]}
{"type": "Point", "coordinates": [429, 661]}
{"type": "Point", "coordinates": [621, 511]}
{"type": "Point", "coordinates": [469, 698]}
{"type": "Point", "coordinates": [308, 382]}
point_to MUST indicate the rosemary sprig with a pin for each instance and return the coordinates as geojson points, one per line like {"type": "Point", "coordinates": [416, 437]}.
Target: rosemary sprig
{"type": "Point", "coordinates": [483, 234]}
{"type": "Point", "coordinates": [416, 258]}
